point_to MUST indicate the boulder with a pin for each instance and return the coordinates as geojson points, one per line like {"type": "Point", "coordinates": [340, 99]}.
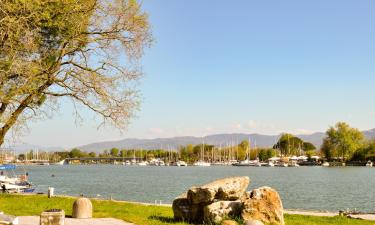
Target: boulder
{"type": "Point", "coordinates": [82, 208]}
{"type": "Point", "coordinates": [228, 189]}
{"type": "Point", "coordinates": [183, 210]}
{"type": "Point", "coordinates": [253, 222]}
{"type": "Point", "coordinates": [217, 211]}
{"type": "Point", "coordinates": [229, 222]}
{"type": "Point", "coordinates": [263, 204]}
{"type": "Point", "coordinates": [190, 206]}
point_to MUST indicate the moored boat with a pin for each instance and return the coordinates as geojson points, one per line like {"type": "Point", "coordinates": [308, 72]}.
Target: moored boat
{"type": "Point", "coordinates": [281, 164]}
{"type": "Point", "coordinates": [293, 164]}
{"type": "Point", "coordinates": [180, 163]}
{"type": "Point", "coordinates": [202, 163]}
{"type": "Point", "coordinates": [142, 163]}
{"type": "Point", "coordinates": [17, 184]}
{"type": "Point", "coordinates": [269, 164]}
{"type": "Point", "coordinates": [247, 162]}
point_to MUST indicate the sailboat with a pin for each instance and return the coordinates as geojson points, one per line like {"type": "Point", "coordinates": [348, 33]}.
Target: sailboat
{"type": "Point", "coordinates": [201, 162]}
{"type": "Point", "coordinates": [247, 161]}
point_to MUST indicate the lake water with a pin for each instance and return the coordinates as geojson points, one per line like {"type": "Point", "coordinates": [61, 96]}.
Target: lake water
{"type": "Point", "coordinates": [310, 188]}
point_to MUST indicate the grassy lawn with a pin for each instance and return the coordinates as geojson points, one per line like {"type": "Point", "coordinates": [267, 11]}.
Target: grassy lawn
{"type": "Point", "coordinates": [19, 205]}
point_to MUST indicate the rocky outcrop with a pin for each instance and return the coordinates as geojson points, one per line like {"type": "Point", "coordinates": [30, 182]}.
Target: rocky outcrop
{"type": "Point", "coordinates": [190, 206]}
{"type": "Point", "coordinates": [263, 204]}
{"type": "Point", "coordinates": [185, 211]}
{"type": "Point", "coordinates": [217, 211]}
{"type": "Point", "coordinates": [224, 198]}
{"type": "Point", "coordinates": [253, 222]}
{"type": "Point", "coordinates": [228, 189]}
{"type": "Point", "coordinates": [229, 222]}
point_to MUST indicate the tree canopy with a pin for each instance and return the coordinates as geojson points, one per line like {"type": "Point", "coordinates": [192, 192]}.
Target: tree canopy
{"type": "Point", "coordinates": [86, 50]}
{"type": "Point", "coordinates": [289, 144]}
{"type": "Point", "coordinates": [342, 141]}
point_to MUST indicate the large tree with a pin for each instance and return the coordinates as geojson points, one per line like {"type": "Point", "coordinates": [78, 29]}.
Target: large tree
{"type": "Point", "coordinates": [342, 141]}
{"type": "Point", "coordinates": [289, 144]}
{"type": "Point", "coordinates": [86, 50]}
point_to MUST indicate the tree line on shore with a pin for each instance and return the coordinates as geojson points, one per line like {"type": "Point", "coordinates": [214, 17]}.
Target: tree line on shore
{"type": "Point", "coordinates": [342, 143]}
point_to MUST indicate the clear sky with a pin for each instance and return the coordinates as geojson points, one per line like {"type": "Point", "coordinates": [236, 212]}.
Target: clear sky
{"type": "Point", "coordinates": [244, 66]}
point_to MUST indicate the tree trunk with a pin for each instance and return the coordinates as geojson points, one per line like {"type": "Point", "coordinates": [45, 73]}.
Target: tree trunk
{"type": "Point", "coordinates": [16, 114]}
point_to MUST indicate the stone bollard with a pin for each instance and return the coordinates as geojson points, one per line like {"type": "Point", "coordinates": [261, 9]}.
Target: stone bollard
{"type": "Point", "coordinates": [51, 192]}
{"type": "Point", "coordinates": [52, 217]}
{"type": "Point", "coordinates": [82, 208]}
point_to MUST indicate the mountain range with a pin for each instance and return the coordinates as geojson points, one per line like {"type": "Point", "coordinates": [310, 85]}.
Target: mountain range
{"type": "Point", "coordinates": [259, 140]}
{"type": "Point", "coordinates": [216, 139]}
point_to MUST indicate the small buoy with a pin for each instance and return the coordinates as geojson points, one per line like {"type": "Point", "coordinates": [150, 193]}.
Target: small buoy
{"type": "Point", "coordinates": [53, 175]}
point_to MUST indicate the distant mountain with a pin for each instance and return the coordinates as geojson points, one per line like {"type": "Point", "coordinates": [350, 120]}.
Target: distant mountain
{"type": "Point", "coordinates": [217, 139]}
{"type": "Point", "coordinates": [175, 142]}
{"type": "Point", "coordinates": [370, 134]}
{"type": "Point", "coordinates": [27, 147]}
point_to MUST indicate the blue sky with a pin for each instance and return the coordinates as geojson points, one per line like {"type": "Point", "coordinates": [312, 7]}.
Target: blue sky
{"type": "Point", "coordinates": [244, 66]}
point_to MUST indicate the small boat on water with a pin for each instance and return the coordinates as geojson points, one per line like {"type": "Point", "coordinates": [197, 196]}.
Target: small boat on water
{"type": "Point", "coordinates": [369, 164]}
{"type": "Point", "coordinates": [202, 163]}
{"type": "Point", "coordinates": [142, 163]}
{"type": "Point", "coordinates": [15, 184]}
{"type": "Point", "coordinates": [269, 164]}
{"type": "Point", "coordinates": [293, 164]}
{"type": "Point", "coordinates": [218, 164]}
{"type": "Point", "coordinates": [180, 163]}
{"type": "Point", "coordinates": [157, 162]}
{"type": "Point", "coordinates": [281, 164]}
{"type": "Point", "coordinates": [325, 164]}
{"type": "Point", "coordinates": [247, 162]}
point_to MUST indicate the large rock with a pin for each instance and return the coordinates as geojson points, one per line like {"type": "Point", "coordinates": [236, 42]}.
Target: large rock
{"type": "Point", "coordinates": [190, 206]}
{"type": "Point", "coordinates": [263, 204]}
{"type": "Point", "coordinates": [217, 211]}
{"type": "Point", "coordinates": [228, 189]}
{"type": "Point", "coordinates": [229, 222]}
{"type": "Point", "coordinates": [185, 211]}
{"type": "Point", "coordinates": [253, 222]}
{"type": "Point", "coordinates": [82, 208]}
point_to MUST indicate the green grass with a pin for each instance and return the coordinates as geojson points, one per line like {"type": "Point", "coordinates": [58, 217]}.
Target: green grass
{"type": "Point", "coordinates": [22, 205]}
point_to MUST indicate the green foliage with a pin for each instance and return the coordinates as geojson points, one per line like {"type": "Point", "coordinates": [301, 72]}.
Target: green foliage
{"type": "Point", "coordinates": [76, 153]}
{"type": "Point", "coordinates": [307, 146]}
{"type": "Point", "coordinates": [342, 141]}
{"type": "Point", "coordinates": [21, 157]}
{"type": "Point", "coordinates": [289, 144]}
{"type": "Point", "coordinates": [366, 152]}
{"type": "Point", "coordinates": [92, 154]}
{"type": "Point", "coordinates": [265, 154]}
{"type": "Point", "coordinates": [70, 48]}
{"type": "Point", "coordinates": [114, 152]}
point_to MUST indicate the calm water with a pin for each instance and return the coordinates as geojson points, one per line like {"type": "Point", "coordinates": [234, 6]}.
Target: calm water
{"type": "Point", "coordinates": [300, 188]}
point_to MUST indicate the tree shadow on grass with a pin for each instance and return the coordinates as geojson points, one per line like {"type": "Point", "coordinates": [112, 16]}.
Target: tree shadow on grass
{"type": "Point", "coordinates": [164, 219]}
{"type": "Point", "coordinates": [171, 220]}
